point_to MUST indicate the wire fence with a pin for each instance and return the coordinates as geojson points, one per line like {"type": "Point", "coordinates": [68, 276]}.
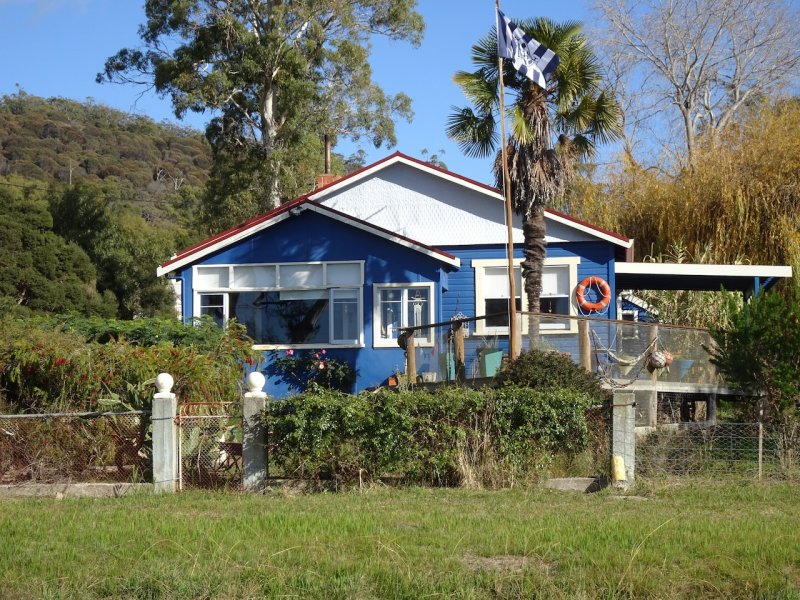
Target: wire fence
{"type": "Point", "coordinates": [210, 445]}
{"type": "Point", "coordinates": [717, 450]}
{"type": "Point", "coordinates": [75, 447]}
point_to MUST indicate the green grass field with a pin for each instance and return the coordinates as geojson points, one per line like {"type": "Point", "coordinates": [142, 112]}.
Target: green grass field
{"type": "Point", "coordinates": [682, 541]}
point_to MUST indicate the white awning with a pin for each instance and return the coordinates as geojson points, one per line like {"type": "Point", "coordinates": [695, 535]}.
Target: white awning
{"type": "Point", "coordinates": [684, 276]}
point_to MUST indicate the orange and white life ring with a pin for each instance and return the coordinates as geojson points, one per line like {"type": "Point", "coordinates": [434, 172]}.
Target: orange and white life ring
{"type": "Point", "coordinates": [602, 287]}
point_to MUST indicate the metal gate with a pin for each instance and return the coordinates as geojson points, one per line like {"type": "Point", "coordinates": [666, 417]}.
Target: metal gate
{"type": "Point", "coordinates": [209, 445]}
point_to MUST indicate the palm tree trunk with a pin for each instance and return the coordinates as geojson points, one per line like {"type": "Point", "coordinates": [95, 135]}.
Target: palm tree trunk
{"type": "Point", "coordinates": [535, 250]}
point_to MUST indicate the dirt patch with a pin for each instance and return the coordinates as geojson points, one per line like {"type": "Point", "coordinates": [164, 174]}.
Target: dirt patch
{"type": "Point", "coordinates": [507, 563]}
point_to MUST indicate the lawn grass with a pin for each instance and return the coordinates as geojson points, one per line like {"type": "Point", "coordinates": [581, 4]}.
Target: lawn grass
{"type": "Point", "coordinates": [682, 541]}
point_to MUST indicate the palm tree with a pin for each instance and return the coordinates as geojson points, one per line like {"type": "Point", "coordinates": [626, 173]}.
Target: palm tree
{"type": "Point", "coordinates": [550, 129]}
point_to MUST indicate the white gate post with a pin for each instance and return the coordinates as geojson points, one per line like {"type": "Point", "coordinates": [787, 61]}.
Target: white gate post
{"type": "Point", "coordinates": [165, 463]}
{"type": "Point", "coordinates": [623, 442]}
{"type": "Point", "coordinates": [254, 440]}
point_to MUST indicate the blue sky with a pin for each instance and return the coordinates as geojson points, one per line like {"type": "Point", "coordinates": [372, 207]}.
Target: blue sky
{"type": "Point", "coordinates": [56, 47]}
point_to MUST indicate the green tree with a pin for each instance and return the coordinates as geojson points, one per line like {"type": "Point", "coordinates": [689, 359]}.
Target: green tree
{"type": "Point", "coordinates": [38, 269]}
{"type": "Point", "coordinates": [760, 351]}
{"type": "Point", "coordinates": [550, 128]}
{"type": "Point", "coordinates": [122, 246]}
{"type": "Point", "coordinates": [274, 74]}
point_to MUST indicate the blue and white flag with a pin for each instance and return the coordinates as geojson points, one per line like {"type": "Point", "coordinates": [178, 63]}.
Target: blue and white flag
{"type": "Point", "coordinates": [534, 60]}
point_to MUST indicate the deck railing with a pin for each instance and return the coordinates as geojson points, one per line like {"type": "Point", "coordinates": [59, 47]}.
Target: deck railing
{"type": "Point", "coordinates": [618, 351]}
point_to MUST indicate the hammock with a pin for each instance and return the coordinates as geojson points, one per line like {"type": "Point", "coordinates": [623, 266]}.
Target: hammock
{"type": "Point", "coordinates": [624, 361]}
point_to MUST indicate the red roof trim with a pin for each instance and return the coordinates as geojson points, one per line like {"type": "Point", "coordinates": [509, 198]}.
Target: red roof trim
{"type": "Point", "coordinates": [257, 220]}
{"type": "Point", "coordinates": [302, 200]}
{"type": "Point", "coordinates": [585, 224]}
{"type": "Point", "coordinates": [236, 229]}
{"type": "Point", "coordinates": [473, 182]}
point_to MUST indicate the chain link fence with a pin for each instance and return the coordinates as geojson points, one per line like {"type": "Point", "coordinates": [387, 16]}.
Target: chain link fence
{"type": "Point", "coordinates": [75, 447]}
{"type": "Point", "coordinates": [210, 445]}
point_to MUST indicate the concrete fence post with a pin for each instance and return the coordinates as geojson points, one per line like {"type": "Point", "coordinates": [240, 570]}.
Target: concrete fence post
{"type": "Point", "coordinates": [254, 441]}
{"type": "Point", "coordinates": [165, 435]}
{"type": "Point", "coordinates": [623, 437]}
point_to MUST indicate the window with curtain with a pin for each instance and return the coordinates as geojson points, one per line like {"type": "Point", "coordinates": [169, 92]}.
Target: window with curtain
{"type": "Point", "coordinates": [287, 304]}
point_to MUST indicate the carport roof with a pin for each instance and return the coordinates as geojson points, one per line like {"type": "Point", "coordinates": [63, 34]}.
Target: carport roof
{"type": "Point", "coordinates": [679, 276]}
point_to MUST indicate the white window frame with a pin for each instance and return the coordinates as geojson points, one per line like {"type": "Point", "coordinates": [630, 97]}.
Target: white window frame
{"type": "Point", "coordinates": [479, 265]}
{"type": "Point", "coordinates": [330, 288]}
{"type": "Point", "coordinates": [380, 342]}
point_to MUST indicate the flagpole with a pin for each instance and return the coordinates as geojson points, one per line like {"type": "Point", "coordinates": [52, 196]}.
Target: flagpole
{"type": "Point", "coordinates": [513, 346]}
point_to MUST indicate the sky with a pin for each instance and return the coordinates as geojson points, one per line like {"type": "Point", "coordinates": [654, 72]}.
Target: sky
{"type": "Point", "coordinates": [57, 47]}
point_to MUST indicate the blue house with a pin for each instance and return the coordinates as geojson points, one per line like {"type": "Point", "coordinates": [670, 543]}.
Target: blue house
{"type": "Point", "coordinates": [398, 243]}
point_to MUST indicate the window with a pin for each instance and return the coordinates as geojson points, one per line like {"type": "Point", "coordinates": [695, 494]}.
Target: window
{"type": "Point", "coordinates": [559, 279]}
{"type": "Point", "coordinates": [291, 304]}
{"type": "Point", "coordinates": [496, 295]}
{"type": "Point", "coordinates": [402, 305]}
{"type": "Point", "coordinates": [213, 305]}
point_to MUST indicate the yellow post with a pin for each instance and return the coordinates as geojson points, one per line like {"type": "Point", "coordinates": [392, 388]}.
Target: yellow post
{"type": "Point", "coordinates": [618, 469]}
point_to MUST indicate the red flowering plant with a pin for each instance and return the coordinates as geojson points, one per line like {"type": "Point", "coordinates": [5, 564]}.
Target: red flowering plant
{"type": "Point", "coordinates": [301, 369]}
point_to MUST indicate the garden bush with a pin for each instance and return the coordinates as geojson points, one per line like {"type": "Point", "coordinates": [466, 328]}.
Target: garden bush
{"type": "Point", "coordinates": [300, 369]}
{"type": "Point", "coordinates": [760, 352]}
{"type": "Point", "coordinates": [549, 370]}
{"type": "Point", "coordinates": [452, 436]}
{"type": "Point", "coordinates": [48, 368]}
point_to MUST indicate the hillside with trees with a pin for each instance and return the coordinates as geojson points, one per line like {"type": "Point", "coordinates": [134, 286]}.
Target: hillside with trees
{"type": "Point", "coordinates": [155, 168]}
{"type": "Point", "coordinates": [93, 199]}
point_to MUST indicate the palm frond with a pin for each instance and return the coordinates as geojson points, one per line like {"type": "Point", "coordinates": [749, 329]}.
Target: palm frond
{"type": "Point", "coordinates": [475, 133]}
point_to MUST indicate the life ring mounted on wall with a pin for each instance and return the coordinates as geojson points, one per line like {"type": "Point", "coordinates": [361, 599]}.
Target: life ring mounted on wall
{"type": "Point", "coordinates": [602, 287]}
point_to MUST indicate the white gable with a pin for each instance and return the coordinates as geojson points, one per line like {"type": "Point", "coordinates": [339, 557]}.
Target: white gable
{"type": "Point", "coordinates": [436, 208]}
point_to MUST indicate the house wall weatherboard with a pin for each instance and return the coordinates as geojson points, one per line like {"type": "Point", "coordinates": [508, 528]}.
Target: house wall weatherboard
{"type": "Point", "coordinates": [311, 237]}
{"type": "Point", "coordinates": [596, 259]}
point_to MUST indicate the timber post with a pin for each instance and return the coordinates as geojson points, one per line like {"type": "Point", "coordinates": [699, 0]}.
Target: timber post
{"type": "Point", "coordinates": [411, 358]}
{"type": "Point", "coordinates": [458, 347]}
{"type": "Point", "coordinates": [584, 347]}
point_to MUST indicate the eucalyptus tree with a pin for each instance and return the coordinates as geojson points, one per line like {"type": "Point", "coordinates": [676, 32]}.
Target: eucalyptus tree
{"type": "Point", "coordinates": [697, 63]}
{"type": "Point", "coordinates": [273, 74]}
{"type": "Point", "coordinates": [550, 129]}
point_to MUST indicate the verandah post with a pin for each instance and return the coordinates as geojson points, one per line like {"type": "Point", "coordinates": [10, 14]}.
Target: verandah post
{"type": "Point", "coordinates": [584, 347]}
{"type": "Point", "coordinates": [458, 347]}
{"type": "Point", "coordinates": [165, 438]}
{"type": "Point", "coordinates": [411, 358]}
{"type": "Point", "coordinates": [653, 408]}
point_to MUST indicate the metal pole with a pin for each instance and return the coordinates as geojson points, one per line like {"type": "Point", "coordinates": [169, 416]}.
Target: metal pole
{"type": "Point", "coordinates": [760, 439]}
{"type": "Point", "coordinates": [513, 346]}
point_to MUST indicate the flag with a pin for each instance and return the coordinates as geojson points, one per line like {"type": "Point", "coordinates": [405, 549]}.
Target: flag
{"type": "Point", "coordinates": [534, 60]}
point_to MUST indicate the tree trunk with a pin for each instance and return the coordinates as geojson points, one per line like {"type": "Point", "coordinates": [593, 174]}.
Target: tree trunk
{"type": "Point", "coordinates": [535, 250]}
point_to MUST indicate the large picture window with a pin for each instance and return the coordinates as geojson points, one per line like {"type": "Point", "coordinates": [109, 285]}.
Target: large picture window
{"type": "Point", "coordinates": [283, 305]}
{"type": "Point", "coordinates": [559, 279]}
{"type": "Point", "coordinates": [402, 305]}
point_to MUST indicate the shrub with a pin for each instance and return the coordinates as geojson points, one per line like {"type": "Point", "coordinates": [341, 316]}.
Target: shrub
{"type": "Point", "coordinates": [202, 333]}
{"type": "Point", "coordinates": [299, 370]}
{"type": "Point", "coordinates": [548, 370]}
{"type": "Point", "coordinates": [46, 369]}
{"type": "Point", "coordinates": [760, 351]}
{"type": "Point", "coordinates": [448, 437]}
